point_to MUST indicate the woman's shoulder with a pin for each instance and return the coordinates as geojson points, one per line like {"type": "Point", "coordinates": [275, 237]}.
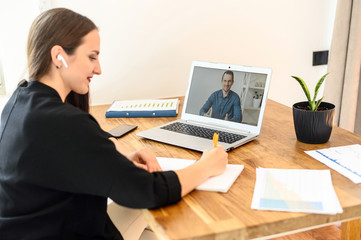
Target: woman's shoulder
{"type": "Point", "coordinates": [44, 104]}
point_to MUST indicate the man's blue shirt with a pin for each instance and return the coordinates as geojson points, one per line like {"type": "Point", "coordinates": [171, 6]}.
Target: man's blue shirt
{"type": "Point", "coordinates": [231, 104]}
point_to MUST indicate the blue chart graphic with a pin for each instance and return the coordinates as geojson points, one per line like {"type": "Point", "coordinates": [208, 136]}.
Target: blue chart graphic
{"type": "Point", "coordinates": [344, 159]}
{"type": "Point", "coordinates": [281, 196]}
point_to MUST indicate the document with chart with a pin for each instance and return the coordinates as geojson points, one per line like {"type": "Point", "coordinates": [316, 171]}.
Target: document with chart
{"type": "Point", "coordinates": [345, 160]}
{"type": "Point", "coordinates": [143, 108]}
{"type": "Point", "coordinates": [295, 190]}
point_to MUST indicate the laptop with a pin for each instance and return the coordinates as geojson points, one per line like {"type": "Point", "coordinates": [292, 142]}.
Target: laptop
{"type": "Point", "coordinates": [214, 103]}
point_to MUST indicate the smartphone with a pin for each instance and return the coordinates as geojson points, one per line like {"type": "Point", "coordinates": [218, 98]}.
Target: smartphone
{"type": "Point", "coordinates": [121, 130]}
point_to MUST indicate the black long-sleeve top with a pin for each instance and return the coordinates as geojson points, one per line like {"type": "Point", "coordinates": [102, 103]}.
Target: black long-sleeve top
{"type": "Point", "coordinates": [57, 168]}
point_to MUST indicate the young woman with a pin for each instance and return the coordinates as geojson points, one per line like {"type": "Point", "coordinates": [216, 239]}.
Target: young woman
{"type": "Point", "coordinates": [57, 166]}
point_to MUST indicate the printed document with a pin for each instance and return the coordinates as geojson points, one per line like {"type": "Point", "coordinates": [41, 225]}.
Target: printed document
{"type": "Point", "coordinates": [345, 160]}
{"type": "Point", "coordinates": [295, 190]}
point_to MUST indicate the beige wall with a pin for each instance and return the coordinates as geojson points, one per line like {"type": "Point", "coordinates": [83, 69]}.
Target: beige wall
{"type": "Point", "coordinates": [147, 46]}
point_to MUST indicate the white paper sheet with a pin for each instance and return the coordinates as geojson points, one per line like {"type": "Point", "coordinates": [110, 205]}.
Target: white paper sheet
{"type": "Point", "coordinates": [295, 190]}
{"type": "Point", "coordinates": [345, 160]}
{"type": "Point", "coordinates": [220, 183]}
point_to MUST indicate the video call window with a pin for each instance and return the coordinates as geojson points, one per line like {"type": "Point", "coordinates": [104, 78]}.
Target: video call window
{"type": "Point", "coordinates": [244, 95]}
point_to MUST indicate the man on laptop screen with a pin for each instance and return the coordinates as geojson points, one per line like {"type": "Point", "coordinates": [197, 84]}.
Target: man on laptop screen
{"type": "Point", "coordinates": [224, 104]}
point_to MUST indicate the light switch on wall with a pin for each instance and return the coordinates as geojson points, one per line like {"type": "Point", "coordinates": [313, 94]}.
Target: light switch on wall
{"type": "Point", "coordinates": [320, 58]}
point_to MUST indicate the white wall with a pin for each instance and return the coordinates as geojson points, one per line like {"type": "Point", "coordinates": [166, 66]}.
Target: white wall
{"type": "Point", "coordinates": [147, 46]}
{"type": "Point", "coordinates": [16, 17]}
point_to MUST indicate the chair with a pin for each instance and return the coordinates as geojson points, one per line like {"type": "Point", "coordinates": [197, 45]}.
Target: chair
{"type": "Point", "coordinates": [130, 222]}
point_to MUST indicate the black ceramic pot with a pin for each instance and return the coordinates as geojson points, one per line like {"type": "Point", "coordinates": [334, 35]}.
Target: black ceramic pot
{"type": "Point", "coordinates": [313, 126]}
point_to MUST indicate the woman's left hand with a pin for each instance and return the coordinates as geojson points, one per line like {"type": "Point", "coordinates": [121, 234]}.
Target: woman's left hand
{"type": "Point", "coordinates": [145, 159]}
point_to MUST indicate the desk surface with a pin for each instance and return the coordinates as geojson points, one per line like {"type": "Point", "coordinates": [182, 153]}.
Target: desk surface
{"type": "Point", "coordinates": [210, 215]}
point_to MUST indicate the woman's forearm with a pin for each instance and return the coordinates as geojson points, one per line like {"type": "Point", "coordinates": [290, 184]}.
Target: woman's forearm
{"type": "Point", "coordinates": [191, 177]}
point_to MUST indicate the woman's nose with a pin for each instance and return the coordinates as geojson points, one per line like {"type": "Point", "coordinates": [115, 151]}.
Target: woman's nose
{"type": "Point", "coordinates": [98, 69]}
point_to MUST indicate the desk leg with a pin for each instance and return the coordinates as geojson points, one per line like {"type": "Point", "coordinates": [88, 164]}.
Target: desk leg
{"type": "Point", "coordinates": [351, 230]}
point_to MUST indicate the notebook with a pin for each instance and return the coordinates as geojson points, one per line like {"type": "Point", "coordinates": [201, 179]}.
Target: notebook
{"type": "Point", "coordinates": [220, 183]}
{"type": "Point", "coordinates": [237, 117]}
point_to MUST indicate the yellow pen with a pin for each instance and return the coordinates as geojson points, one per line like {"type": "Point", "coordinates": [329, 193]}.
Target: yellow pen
{"type": "Point", "coordinates": [215, 139]}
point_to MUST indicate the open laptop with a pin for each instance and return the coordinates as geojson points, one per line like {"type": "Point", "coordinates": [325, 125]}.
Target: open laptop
{"type": "Point", "coordinates": [237, 117]}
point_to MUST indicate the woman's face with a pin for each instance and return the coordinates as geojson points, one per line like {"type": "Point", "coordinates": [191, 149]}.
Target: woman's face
{"type": "Point", "coordinates": [83, 64]}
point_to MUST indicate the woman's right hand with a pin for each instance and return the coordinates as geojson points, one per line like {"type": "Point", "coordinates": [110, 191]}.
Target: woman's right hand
{"type": "Point", "coordinates": [212, 163]}
{"type": "Point", "coordinates": [215, 160]}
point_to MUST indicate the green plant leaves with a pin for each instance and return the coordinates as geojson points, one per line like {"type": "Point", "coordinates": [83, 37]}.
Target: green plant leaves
{"type": "Point", "coordinates": [304, 87]}
{"type": "Point", "coordinates": [318, 85]}
{"type": "Point", "coordinates": [312, 103]}
{"type": "Point", "coordinates": [318, 103]}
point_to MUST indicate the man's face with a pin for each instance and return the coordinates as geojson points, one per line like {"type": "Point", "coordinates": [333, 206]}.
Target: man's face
{"type": "Point", "coordinates": [227, 82]}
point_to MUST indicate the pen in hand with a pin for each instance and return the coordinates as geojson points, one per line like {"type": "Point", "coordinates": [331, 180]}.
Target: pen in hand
{"type": "Point", "coordinates": [215, 139]}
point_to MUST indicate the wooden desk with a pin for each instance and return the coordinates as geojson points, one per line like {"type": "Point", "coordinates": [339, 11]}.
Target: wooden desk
{"type": "Point", "coordinates": [212, 215]}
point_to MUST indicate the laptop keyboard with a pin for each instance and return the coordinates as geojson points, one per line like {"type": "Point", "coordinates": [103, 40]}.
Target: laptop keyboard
{"type": "Point", "coordinates": [203, 132]}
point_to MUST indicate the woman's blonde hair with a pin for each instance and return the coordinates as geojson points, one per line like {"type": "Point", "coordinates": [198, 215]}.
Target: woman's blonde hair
{"type": "Point", "coordinates": [58, 26]}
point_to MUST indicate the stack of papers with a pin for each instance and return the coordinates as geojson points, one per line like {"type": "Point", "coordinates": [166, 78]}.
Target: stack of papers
{"type": "Point", "coordinates": [144, 108]}
{"type": "Point", "coordinates": [345, 160]}
{"type": "Point", "coordinates": [295, 190]}
{"type": "Point", "coordinates": [220, 183]}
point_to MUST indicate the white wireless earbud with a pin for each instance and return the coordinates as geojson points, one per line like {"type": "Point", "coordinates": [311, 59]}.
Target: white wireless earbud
{"type": "Point", "coordinates": [60, 58]}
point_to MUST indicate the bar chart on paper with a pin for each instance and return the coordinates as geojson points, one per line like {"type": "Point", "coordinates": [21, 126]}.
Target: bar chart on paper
{"type": "Point", "coordinates": [345, 160]}
{"type": "Point", "coordinates": [144, 108]}
{"type": "Point", "coordinates": [294, 190]}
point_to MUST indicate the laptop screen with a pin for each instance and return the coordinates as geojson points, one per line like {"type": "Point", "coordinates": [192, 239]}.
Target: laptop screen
{"type": "Point", "coordinates": [229, 95]}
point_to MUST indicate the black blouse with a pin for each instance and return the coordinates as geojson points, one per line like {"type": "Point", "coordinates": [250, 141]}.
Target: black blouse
{"type": "Point", "coordinates": [57, 168]}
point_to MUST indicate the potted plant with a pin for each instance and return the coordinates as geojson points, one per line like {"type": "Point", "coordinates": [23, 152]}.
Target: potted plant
{"type": "Point", "coordinates": [313, 118]}
{"type": "Point", "coordinates": [257, 99]}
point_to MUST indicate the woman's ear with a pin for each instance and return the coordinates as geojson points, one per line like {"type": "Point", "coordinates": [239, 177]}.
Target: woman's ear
{"type": "Point", "coordinates": [55, 52]}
